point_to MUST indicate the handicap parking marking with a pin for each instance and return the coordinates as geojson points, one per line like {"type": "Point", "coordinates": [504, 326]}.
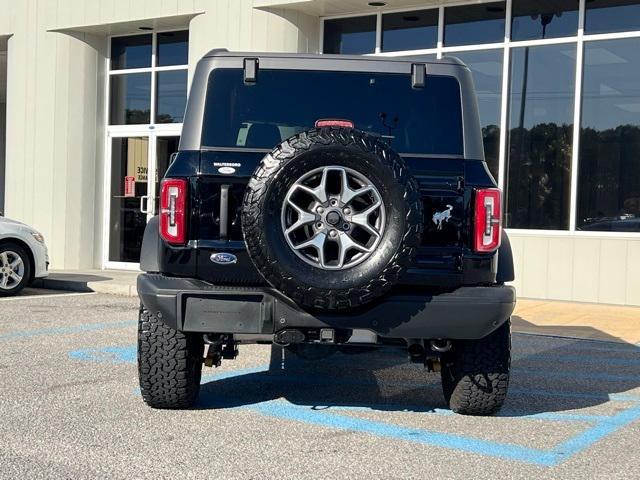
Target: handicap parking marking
{"type": "Point", "coordinates": [50, 331]}
{"type": "Point", "coordinates": [337, 416]}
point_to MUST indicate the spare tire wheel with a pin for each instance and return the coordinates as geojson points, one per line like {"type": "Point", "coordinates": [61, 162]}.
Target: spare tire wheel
{"type": "Point", "coordinates": [332, 218]}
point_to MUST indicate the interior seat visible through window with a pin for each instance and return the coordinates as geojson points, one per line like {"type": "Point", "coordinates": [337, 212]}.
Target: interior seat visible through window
{"type": "Point", "coordinates": [261, 134]}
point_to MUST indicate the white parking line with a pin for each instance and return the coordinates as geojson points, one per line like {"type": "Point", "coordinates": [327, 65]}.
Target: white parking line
{"type": "Point", "coordinates": [34, 296]}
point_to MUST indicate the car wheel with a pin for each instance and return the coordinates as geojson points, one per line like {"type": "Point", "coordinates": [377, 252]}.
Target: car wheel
{"type": "Point", "coordinates": [15, 269]}
{"type": "Point", "coordinates": [332, 218]}
{"type": "Point", "coordinates": [475, 373]}
{"type": "Point", "coordinates": [169, 363]}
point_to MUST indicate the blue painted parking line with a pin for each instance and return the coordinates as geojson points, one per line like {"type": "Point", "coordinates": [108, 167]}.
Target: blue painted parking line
{"type": "Point", "coordinates": [582, 344]}
{"type": "Point", "coordinates": [51, 331]}
{"type": "Point", "coordinates": [607, 377]}
{"type": "Point", "coordinates": [581, 359]}
{"type": "Point", "coordinates": [288, 411]}
{"type": "Point", "coordinates": [106, 354]}
{"type": "Point", "coordinates": [337, 416]}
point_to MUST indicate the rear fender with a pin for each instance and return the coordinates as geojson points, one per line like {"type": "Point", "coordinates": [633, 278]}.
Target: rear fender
{"type": "Point", "coordinates": [505, 261]}
{"type": "Point", "coordinates": [149, 254]}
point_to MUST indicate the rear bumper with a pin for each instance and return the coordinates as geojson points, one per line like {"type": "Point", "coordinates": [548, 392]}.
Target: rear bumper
{"type": "Point", "coordinates": [192, 305]}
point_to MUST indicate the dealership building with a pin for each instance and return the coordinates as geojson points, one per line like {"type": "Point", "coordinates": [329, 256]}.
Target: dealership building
{"type": "Point", "coordinates": [92, 97]}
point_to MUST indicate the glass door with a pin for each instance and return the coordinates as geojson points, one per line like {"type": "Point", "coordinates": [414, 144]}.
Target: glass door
{"type": "Point", "coordinates": [128, 201]}
{"type": "Point", "coordinates": [137, 164]}
{"type": "Point", "coordinates": [165, 147]}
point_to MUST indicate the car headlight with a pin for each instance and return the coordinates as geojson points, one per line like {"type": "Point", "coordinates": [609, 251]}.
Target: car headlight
{"type": "Point", "coordinates": [38, 236]}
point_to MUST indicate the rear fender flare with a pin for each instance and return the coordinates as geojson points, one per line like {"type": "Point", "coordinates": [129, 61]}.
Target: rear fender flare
{"type": "Point", "coordinates": [149, 254]}
{"type": "Point", "coordinates": [506, 271]}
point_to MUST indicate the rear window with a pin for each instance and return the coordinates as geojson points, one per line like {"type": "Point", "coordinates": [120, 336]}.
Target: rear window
{"type": "Point", "coordinates": [284, 102]}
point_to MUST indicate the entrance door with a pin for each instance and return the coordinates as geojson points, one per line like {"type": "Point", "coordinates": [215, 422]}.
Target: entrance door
{"type": "Point", "coordinates": [138, 163]}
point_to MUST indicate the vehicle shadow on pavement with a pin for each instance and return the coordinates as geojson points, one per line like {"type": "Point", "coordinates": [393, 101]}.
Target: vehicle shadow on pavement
{"type": "Point", "coordinates": [548, 375]}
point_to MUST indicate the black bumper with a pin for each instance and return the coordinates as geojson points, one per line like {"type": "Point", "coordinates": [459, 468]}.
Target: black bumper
{"type": "Point", "coordinates": [192, 305]}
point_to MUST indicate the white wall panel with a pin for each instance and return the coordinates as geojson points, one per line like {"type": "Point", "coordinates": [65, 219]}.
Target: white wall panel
{"type": "Point", "coordinates": [577, 267]}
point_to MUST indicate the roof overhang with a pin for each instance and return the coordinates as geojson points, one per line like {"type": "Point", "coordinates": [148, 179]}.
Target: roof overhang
{"type": "Point", "coordinates": [320, 8]}
{"type": "Point", "coordinates": [130, 26]}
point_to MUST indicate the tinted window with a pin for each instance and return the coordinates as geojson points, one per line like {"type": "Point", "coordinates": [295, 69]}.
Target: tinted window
{"type": "Point", "coordinates": [540, 137]}
{"type": "Point", "coordinates": [131, 52]}
{"type": "Point", "coordinates": [486, 67]}
{"type": "Point", "coordinates": [471, 24]}
{"type": "Point", "coordinates": [533, 19]}
{"type": "Point", "coordinates": [426, 120]}
{"type": "Point", "coordinates": [130, 98]}
{"type": "Point", "coordinates": [173, 48]}
{"type": "Point", "coordinates": [350, 35]}
{"type": "Point", "coordinates": [604, 16]}
{"type": "Point", "coordinates": [609, 164]}
{"type": "Point", "coordinates": [172, 96]}
{"type": "Point", "coordinates": [409, 30]}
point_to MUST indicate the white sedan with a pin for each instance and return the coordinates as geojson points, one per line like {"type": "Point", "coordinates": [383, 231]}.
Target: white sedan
{"type": "Point", "coordinates": [23, 256]}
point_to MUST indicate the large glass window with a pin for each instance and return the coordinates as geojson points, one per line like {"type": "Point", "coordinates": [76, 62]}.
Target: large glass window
{"type": "Point", "coordinates": [604, 16]}
{"type": "Point", "coordinates": [173, 48]}
{"type": "Point", "coordinates": [469, 24]}
{"type": "Point", "coordinates": [410, 30]}
{"type": "Point", "coordinates": [130, 101]}
{"type": "Point", "coordinates": [486, 67]}
{"type": "Point", "coordinates": [133, 51]}
{"type": "Point", "coordinates": [171, 96]}
{"type": "Point", "coordinates": [540, 137]}
{"type": "Point", "coordinates": [532, 19]}
{"type": "Point", "coordinates": [537, 142]}
{"type": "Point", "coordinates": [412, 120]}
{"type": "Point", "coordinates": [609, 164]}
{"type": "Point", "coordinates": [350, 35]}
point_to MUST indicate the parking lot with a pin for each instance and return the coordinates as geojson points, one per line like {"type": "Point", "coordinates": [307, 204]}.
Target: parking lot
{"type": "Point", "coordinates": [69, 408]}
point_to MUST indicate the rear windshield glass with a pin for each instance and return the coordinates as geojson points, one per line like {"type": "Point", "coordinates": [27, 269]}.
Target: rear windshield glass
{"type": "Point", "coordinates": [284, 102]}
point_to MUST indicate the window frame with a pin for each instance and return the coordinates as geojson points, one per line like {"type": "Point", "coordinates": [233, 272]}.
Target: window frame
{"type": "Point", "coordinates": [579, 39]}
{"type": "Point", "coordinates": [154, 69]}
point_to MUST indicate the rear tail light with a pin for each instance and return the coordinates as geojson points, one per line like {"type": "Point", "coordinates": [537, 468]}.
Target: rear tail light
{"type": "Point", "coordinates": [333, 122]}
{"type": "Point", "coordinates": [173, 208]}
{"type": "Point", "coordinates": [487, 220]}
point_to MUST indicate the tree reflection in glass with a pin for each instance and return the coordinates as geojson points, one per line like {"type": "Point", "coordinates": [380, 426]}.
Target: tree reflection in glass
{"type": "Point", "coordinates": [609, 163]}
{"type": "Point", "coordinates": [537, 189]}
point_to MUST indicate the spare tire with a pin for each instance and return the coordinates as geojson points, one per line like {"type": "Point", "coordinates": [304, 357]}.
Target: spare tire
{"type": "Point", "coordinates": [332, 218]}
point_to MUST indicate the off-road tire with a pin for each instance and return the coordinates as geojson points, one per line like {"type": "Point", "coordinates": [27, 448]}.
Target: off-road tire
{"type": "Point", "coordinates": [334, 289]}
{"type": "Point", "coordinates": [169, 363]}
{"type": "Point", "coordinates": [475, 373]}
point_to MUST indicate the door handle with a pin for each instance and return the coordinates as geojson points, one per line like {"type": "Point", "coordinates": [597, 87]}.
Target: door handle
{"type": "Point", "coordinates": [144, 204]}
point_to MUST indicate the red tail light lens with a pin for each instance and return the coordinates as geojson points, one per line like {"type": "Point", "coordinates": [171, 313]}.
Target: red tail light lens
{"type": "Point", "coordinates": [487, 220]}
{"type": "Point", "coordinates": [333, 122]}
{"type": "Point", "coordinates": [173, 209]}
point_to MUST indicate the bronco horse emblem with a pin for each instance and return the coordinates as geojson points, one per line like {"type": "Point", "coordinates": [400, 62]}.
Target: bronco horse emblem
{"type": "Point", "coordinates": [444, 216]}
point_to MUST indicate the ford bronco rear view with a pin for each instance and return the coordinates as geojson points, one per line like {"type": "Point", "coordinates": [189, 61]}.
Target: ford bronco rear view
{"type": "Point", "coordinates": [328, 203]}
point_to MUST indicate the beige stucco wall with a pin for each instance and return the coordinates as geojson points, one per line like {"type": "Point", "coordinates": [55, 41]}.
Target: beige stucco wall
{"type": "Point", "coordinates": [56, 87]}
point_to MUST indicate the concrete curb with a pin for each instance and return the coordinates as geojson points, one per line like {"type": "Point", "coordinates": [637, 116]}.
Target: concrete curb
{"type": "Point", "coordinates": [110, 288]}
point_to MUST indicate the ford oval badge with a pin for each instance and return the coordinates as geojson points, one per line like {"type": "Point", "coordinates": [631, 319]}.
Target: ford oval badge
{"type": "Point", "coordinates": [223, 258]}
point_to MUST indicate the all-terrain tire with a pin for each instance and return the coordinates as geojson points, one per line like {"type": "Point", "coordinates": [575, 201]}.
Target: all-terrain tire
{"type": "Point", "coordinates": [475, 373]}
{"type": "Point", "coordinates": [307, 285]}
{"type": "Point", "coordinates": [169, 363]}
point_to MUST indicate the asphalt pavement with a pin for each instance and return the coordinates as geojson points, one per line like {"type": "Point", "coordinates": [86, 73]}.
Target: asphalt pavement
{"type": "Point", "coordinates": [70, 408]}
